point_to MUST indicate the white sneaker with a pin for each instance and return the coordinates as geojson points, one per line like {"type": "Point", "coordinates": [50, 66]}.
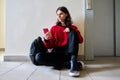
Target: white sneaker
{"type": "Point", "coordinates": [74, 74]}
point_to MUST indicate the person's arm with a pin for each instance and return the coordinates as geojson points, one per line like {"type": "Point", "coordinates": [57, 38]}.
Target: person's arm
{"type": "Point", "coordinates": [78, 33]}
{"type": "Point", "coordinates": [80, 37]}
{"type": "Point", "coordinates": [49, 40]}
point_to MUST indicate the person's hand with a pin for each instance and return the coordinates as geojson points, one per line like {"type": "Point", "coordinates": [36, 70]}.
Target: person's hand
{"type": "Point", "coordinates": [47, 35]}
{"type": "Point", "coordinates": [66, 30]}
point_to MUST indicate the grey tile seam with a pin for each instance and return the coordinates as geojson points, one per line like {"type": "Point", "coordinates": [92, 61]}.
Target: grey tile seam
{"type": "Point", "coordinates": [89, 74]}
{"type": "Point", "coordinates": [59, 75]}
{"type": "Point", "coordinates": [32, 73]}
{"type": "Point", "coordinates": [11, 69]}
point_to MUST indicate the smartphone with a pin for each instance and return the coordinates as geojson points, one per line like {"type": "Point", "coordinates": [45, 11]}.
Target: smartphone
{"type": "Point", "coordinates": [45, 30]}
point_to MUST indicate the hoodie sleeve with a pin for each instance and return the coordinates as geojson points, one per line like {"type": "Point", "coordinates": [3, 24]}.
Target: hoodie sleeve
{"type": "Point", "coordinates": [51, 42]}
{"type": "Point", "coordinates": [78, 33]}
{"type": "Point", "coordinates": [80, 37]}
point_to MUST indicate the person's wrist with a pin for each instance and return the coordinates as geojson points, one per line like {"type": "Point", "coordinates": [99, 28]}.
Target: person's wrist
{"type": "Point", "coordinates": [45, 38]}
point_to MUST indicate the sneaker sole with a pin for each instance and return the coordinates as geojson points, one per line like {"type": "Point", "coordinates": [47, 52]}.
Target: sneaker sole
{"type": "Point", "coordinates": [74, 74]}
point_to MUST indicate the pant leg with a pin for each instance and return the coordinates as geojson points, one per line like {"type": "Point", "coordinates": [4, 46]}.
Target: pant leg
{"type": "Point", "coordinates": [72, 50]}
{"type": "Point", "coordinates": [59, 56]}
{"type": "Point", "coordinates": [45, 59]}
{"type": "Point", "coordinates": [40, 56]}
{"type": "Point", "coordinates": [51, 59]}
{"type": "Point", "coordinates": [72, 45]}
{"type": "Point", "coordinates": [36, 47]}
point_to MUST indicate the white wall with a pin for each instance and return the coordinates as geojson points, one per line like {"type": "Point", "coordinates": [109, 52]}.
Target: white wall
{"type": "Point", "coordinates": [2, 24]}
{"type": "Point", "coordinates": [26, 18]}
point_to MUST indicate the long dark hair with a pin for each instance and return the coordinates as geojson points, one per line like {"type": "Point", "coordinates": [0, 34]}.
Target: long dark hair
{"type": "Point", "coordinates": [68, 20]}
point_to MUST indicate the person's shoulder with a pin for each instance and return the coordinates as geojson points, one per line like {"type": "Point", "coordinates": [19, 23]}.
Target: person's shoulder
{"type": "Point", "coordinates": [54, 26]}
{"type": "Point", "coordinates": [74, 26]}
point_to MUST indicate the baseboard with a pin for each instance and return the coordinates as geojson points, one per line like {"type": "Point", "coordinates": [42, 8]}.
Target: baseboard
{"type": "Point", "coordinates": [24, 58]}
{"type": "Point", "coordinates": [2, 49]}
{"type": "Point", "coordinates": [16, 58]}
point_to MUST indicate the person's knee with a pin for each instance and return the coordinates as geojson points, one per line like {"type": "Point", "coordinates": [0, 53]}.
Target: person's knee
{"type": "Point", "coordinates": [39, 59]}
{"type": "Point", "coordinates": [33, 60]}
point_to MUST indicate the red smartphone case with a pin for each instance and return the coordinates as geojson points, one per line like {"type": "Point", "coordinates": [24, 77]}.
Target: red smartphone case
{"type": "Point", "coordinates": [45, 30]}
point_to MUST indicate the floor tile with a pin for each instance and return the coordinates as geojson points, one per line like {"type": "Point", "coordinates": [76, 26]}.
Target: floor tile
{"type": "Point", "coordinates": [104, 69]}
{"type": "Point", "coordinates": [45, 73]}
{"type": "Point", "coordinates": [106, 74]}
{"type": "Point", "coordinates": [83, 75]}
{"type": "Point", "coordinates": [5, 67]}
{"type": "Point", "coordinates": [22, 72]}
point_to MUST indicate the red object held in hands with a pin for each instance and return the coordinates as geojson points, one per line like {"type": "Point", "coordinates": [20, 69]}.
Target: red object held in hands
{"type": "Point", "coordinates": [45, 30]}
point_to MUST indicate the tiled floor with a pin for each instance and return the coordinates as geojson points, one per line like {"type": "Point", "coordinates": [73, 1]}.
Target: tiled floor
{"type": "Point", "coordinates": [101, 68]}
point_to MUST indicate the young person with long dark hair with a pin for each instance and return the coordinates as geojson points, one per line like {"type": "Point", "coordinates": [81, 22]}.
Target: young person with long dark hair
{"type": "Point", "coordinates": [63, 39]}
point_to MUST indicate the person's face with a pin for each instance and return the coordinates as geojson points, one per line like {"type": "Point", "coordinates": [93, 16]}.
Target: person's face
{"type": "Point", "coordinates": [61, 16]}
